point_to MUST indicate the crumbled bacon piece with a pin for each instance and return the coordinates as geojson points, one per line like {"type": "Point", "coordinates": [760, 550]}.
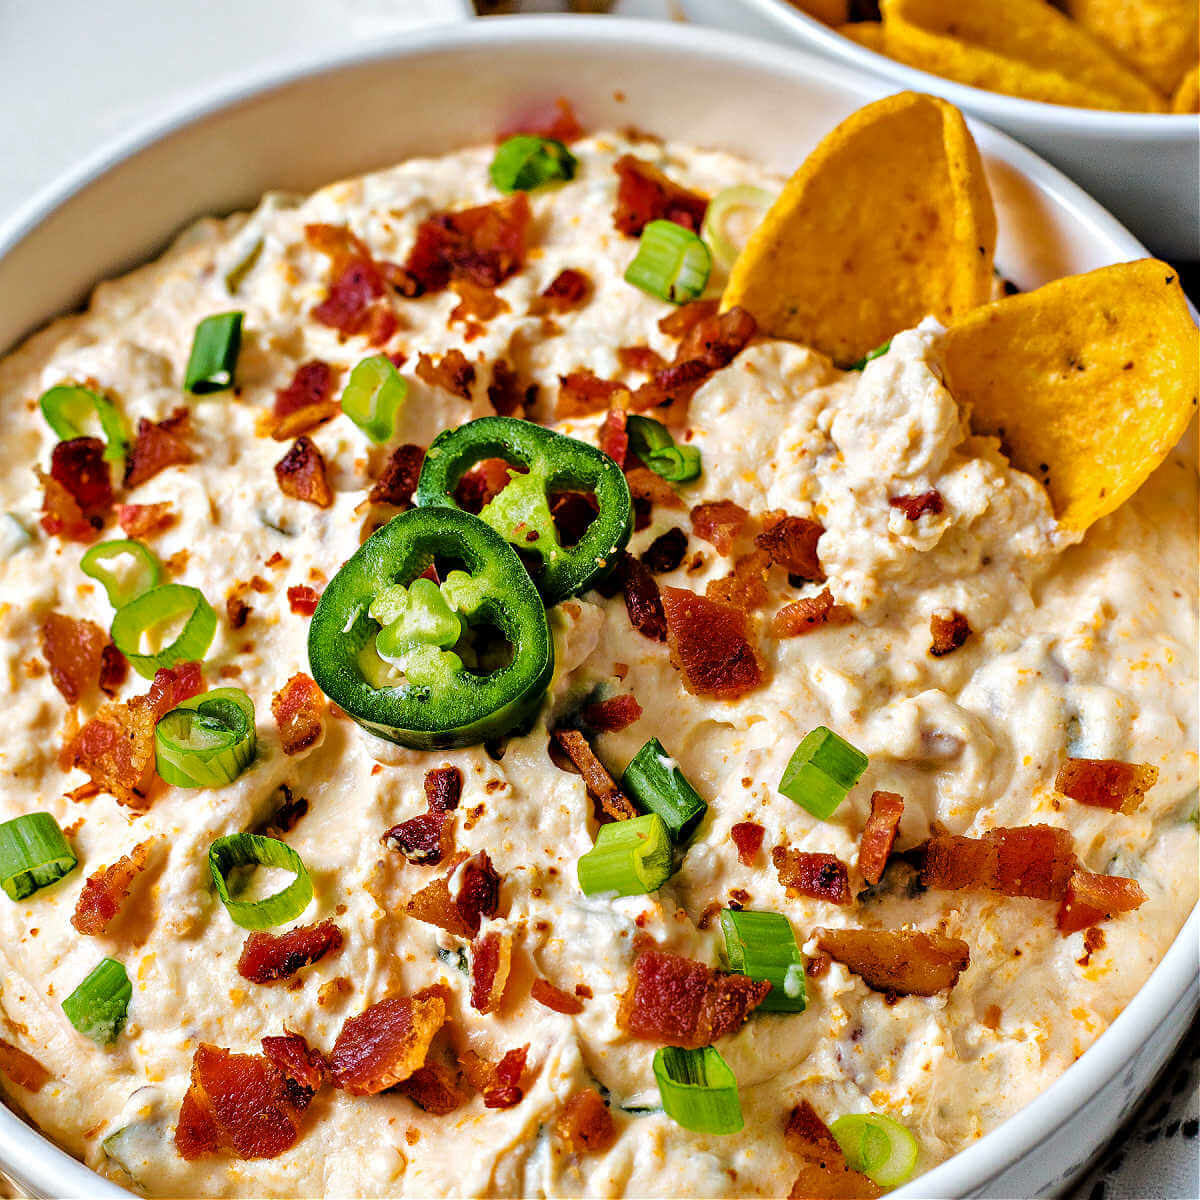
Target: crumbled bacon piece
{"type": "Point", "coordinates": [443, 788]}
{"type": "Point", "coordinates": [105, 890]}
{"type": "Point", "coordinates": [461, 914]}
{"type": "Point", "coordinates": [558, 122]}
{"type": "Point", "coordinates": [399, 479]}
{"type": "Point", "coordinates": [645, 194]}
{"type": "Point", "coordinates": [434, 1088]}
{"type": "Point", "coordinates": [159, 445]}
{"type": "Point", "coordinates": [356, 302]}
{"type": "Point", "coordinates": [485, 245]}
{"type": "Point", "coordinates": [948, 633]}
{"type": "Point", "coordinates": [711, 645]}
{"type": "Point", "coordinates": [422, 839]}
{"type": "Point", "coordinates": [824, 1172]}
{"type": "Point", "coordinates": [791, 543]}
{"type": "Point", "coordinates": [572, 513]}
{"type": "Point", "coordinates": [482, 484]}
{"type": "Point", "coordinates": [23, 1069]}
{"type": "Point", "coordinates": [73, 650]}
{"type": "Point", "coordinates": [613, 714]}
{"type": "Point", "coordinates": [306, 403]}
{"type": "Point", "coordinates": [745, 587]}
{"type": "Point", "coordinates": [640, 358]}
{"type": "Point", "coordinates": [505, 1090]}
{"type": "Point", "coordinates": [302, 1066]}
{"type": "Point", "coordinates": [650, 488]}
{"type": "Point", "coordinates": [386, 1043]}
{"type": "Point", "coordinates": [680, 1002]}
{"type": "Point", "coordinates": [1092, 898]}
{"type": "Point", "coordinates": [303, 599]}
{"type": "Point", "coordinates": [610, 802]}
{"type": "Point", "coordinates": [567, 290]}
{"type": "Point", "coordinates": [585, 1125]}
{"type": "Point", "coordinates": [546, 994]}
{"type": "Point", "coordinates": [269, 957]}
{"type": "Point", "coordinates": [506, 394]}
{"type": "Point", "coordinates": [679, 322]}
{"type": "Point", "coordinates": [491, 959]}
{"type": "Point", "coordinates": [643, 603]}
{"type": "Point", "coordinates": [748, 837]}
{"type": "Point", "coordinates": [821, 876]}
{"type": "Point", "coordinates": [1027, 860]}
{"type": "Point", "coordinates": [879, 834]}
{"type": "Point", "coordinates": [475, 304]}
{"type": "Point", "coordinates": [299, 711]}
{"type": "Point", "coordinates": [666, 552]}
{"type": "Point", "coordinates": [142, 520]}
{"type": "Point", "coordinates": [902, 962]}
{"type": "Point", "coordinates": [452, 372]}
{"type": "Point", "coordinates": [1106, 782]}
{"type": "Point", "coordinates": [614, 438]}
{"type": "Point", "coordinates": [719, 522]}
{"type": "Point", "coordinates": [114, 669]}
{"type": "Point", "coordinates": [809, 613]}
{"type": "Point", "coordinates": [581, 392]}
{"type": "Point", "coordinates": [78, 495]}
{"type": "Point", "coordinates": [915, 507]}
{"type": "Point", "coordinates": [171, 686]}
{"type": "Point", "coordinates": [301, 474]}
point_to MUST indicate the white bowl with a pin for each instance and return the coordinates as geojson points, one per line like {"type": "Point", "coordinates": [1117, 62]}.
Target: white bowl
{"type": "Point", "coordinates": [300, 124]}
{"type": "Point", "coordinates": [1144, 167]}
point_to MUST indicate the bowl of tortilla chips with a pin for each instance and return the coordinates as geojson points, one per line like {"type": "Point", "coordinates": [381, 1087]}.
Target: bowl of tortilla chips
{"type": "Point", "coordinates": [1105, 89]}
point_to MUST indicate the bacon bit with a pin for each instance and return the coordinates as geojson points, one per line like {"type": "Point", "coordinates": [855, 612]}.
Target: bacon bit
{"type": "Point", "coordinates": [791, 543]}
{"type": "Point", "coordinates": [645, 485]}
{"type": "Point", "coordinates": [747, 836]}
{"type": "Point", "coordinates": [612, 715]}
{"type": "Point", "coordinates": [903, 962]}
{"type": "Point", "coordinates": [142, 520]}
{"type": "Point", "coordinates": [679, 322]}
{"type": "Point", "coordinates": [609, 801]}
{"type": "Point", "coordinates": [745, 587]}
{"type": "Point", "coordinates": [434, 1088]}
{"type": "Point", "coordinates": [809, 613]}
{"type": "Point", "coordinates": [102, 894]}
{"type": "Point", "coordinates": [585, 1125]}
{"type": "Point", "coordinates": [302, 1066]}
{"type": "Point", "coordinates": [482, 484]}
{"type": "Point", "coordinates": [386, 1043]}
{"type": "Point", "coordinates": [422, 839]}
{"type": "Point", "coordinates": [237, 611]}
{"type": "Point", "coordinates": [545, 993]}
{"type": "Point", "coordinates": [948, 633]}
{"type": "Point", "coordinates": [299, 711]}
{"type": "Point", "coordinates": [485, 245]}
{"type": "Point", "coordinates": [666, 552]}
{"type": "Point", "coordinates": [306, 403]}
{"type": "Point", "coordinates": [491, 959]}
{"type": "Point", "coordinates": [73, 650]}
{"type": "Point", "coordinates": [301, 474]}
{"type": "Point", "coordinates": [645, 194]}
{"type": "Point", "coordinates": [720, 523]}
{"type": "Point", "coordinates": [614, 439]}
{"type": "Point", "coordinates": [78, 497]}
{"type": "Point", "coordinates": [171, 686]}
{"type": "Point", "coordinates": [478, 897]}
{"type": "Point", "coordinates": [640, 358]}
{"type": "Point", "coordinates": [399, 479]}
{"type": "Point", "coordinates": [1104, 782]}
{"type": "Point", "coordinates": [303, 599]}
{"type": "Point", "coordinates": [558, 123]}
{"type": "Point", "coordinates": [356, 302]}
{"type": "Point", "coordinates": [475, 304]}
{"type": "Point", "coordinates": [572, 513]}
{"type": "Point", "coordinates": [643, 602]}
{"type": "Point", "coordinates": [821, 876]}
{"type": "Point", "coordinates": [452, 372]}
{"type": "Point", "coordinates": [443, 788]}
{"type": "Point", "coordinates": [824, 1171]}
{"type": "Point", "coordinates": [915, 507]}
{"type": "Point", "coordinates": [581, 393]}
{"type": "Point", "coordinates": [114, 669]}
{"type": "Point", "coordinates": [1029, 860]}
{"type": "Point", "coordinates": [818, 965]}
{"type": "Point", "coordinates": [567, 290]}
{"type": "Point", "coordinates": [879, 834]}
{"type": "Point", "coordinates": [711, 645]}
{"type": "Point", "coordinates": [23, 1069]}
{"type": "Point", "coordinates": [506, 394]}
{"type": "Point", "coordinates": [504, 1091]}
{"type": "Point", "coordinates": [1093, 898]}
{"type": "Point", "coordinates": [158, 445]}
{"type": "Point", "coordinates": [269, 957]}
{"type": "Point", "coordinates": [61, 514]}
{"type": "Point", "coordinates": [680, 1002]}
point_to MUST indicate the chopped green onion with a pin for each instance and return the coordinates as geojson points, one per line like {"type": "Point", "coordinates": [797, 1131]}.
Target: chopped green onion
{"type": "Point", "coordinates": [525, 162]}
{"type": "Point", "coordinates": [743, 206]}
{"type": "Point", "coordinates": [33, 854]}
{"type": "Point", "coordinates": [657, 785]}
{"type": "Point", "coordinates": [631, 858]}
{"type": "Point", "coordinates": [653, 444]}
{"type": "Point", "coordinates": [870, 356]}
{"type": "Point", "coordinates": [208, 741]}
{"type": "Point", "coordinates": [240, 269]}
{"type": "Point", "coordinates": [373, 395]}
{"type": "Point", "coordinates": [68, 408]}
{"type": "Point", "coordinates": [671, 263]}
{"type": "Point", "coordinates": [763, 946]}
{"type": "Point", "coordinates": [253, 849]}
{"type": "Point", "coordinates": [167, 602]}
{"type": "Point", "coordinates": [698, 1089]}
{"type": "Point", "coordinates": [214, 354]}
{"type": "Point", "coordinates": [821, 772]}
{"type": "Point", "coordinates": [877, 1147]}
{"type": "Point", "coordinates": [133, 580]}
{"type": "Point", "coordinates": [99, 1005]}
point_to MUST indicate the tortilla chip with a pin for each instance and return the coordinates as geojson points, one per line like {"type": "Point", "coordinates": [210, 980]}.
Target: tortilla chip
{"type": "Point", "coordinates": [1022, 48]}
{"type": "Point", "coordinates": [1187, 95]}
{"type": "Point", "coordinates": [865, 33]}
{"type": "Point", "coordinates": [832, 12]}
{"type": "Point", "coordinates": [887, 221]}
{"type": "Point", "coordinates": [1088, 382]}
{"type": "Point", "coordinates": [1157, 38]}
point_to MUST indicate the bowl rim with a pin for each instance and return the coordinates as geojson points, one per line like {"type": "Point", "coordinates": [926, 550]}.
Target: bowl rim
{"type": "Point", "coordinates": [1172, 982]}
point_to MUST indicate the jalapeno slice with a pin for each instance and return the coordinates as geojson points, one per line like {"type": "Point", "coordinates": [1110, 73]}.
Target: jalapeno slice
{"type": "Point", "coordinates": [428, 663]}
{"type": "Point", "coordinates": [551, 463]}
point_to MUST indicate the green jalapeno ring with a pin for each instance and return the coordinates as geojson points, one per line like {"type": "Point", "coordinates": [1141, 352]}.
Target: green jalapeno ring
{"type": "Point", "coordinates": [554, 462]}
{"type": "Point", "coordinates": [458, 708]}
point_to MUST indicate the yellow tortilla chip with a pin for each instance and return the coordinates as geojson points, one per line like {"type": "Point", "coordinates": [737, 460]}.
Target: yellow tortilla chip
{"type": "Point", "coordinates": [1187, 95]}
{"type": "Point", "coordinates": [1157, 38]}
{"type": "Point", "coordinates": [1022, 48]}
{"type": "Point", "coordinates": [865, 33]}
{"type": "Point", "coordinates": [832, 12]}
{"type": "Point", "coordinates": [887, 221]}
{"type": "Point", "coordinates": [1088, 382]}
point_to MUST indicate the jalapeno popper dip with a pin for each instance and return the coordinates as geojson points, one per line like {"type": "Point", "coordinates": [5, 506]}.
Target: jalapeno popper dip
{"type": "Point", "coordinates": [487, 717]}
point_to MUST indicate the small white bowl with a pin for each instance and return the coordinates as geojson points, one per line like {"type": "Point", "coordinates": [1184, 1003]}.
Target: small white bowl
{"type": "Point", "coordinates": [1143, 167]}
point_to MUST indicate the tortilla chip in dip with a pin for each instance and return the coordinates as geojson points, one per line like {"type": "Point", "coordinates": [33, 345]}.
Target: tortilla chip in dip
{"type": "Point", "coordinates": [1187, 95]}
{"type": "Point", "coordinates": [888, 220]}
{"type": "Point", "coordinates": [1157, 38]}
{"type": "Point", "coordinates": [1088, 381]}
{"type": "Point", "coordinates": [832, 12]}
{"type": "Point", "coordinates": [865, 33]}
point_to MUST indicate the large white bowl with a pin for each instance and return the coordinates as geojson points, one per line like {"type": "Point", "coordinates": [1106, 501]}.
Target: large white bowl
{"type": "Point", "coordinates": [300, 124]}
{"type": "Point", "coordinates": [1145, 167]}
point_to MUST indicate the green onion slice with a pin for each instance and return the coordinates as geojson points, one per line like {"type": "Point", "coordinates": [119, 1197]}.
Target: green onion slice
{"type": "Point", "coordinates": [657, 785]}
{"type": "Point", "coordinates": [34, 853]}
{"type": "Point", "coordinates": [214, 354]}
{"type": "Point", "coordinates": [821, 772]}
{"type": "Point", "coordinates": [653, 444]}
{"type": "Point", "coordinates": [731, 217]}
{"type": "Point", "coordinates": [870, 356]}
{"type": "Point", "coordinates": [226, 854]}
{"type": "Point", "coordinates": [68, 411]}
{"type": "Point", "coordinates": [631, 858]}
{"type": "Point", "coordinates": [877, 1147]}
{"type": "Point", "coordinates": [244, 265]}
{"type": "Point", "coordinates": [99, 1005]}
{"type": "Point", "coordinates": [763, 946]}
{"type": "Point", "coordinates": [525, 162]}
{"type": "Point", "coordinates": [671, 263]}
{"type": "Point", "coordinates": [698, 1089]}
{"type": "Point", "coordinates": [373, 395]}
{"type": "Point", "coordinates": [208, 741]}
{"type": "Point", "coordinates": [109, 563]}
{"type": "Point", "coordinates": [167, 602]}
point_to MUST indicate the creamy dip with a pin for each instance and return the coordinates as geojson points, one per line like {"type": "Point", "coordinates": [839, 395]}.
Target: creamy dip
{"type": "Point", "coordinates": [1086, 649]}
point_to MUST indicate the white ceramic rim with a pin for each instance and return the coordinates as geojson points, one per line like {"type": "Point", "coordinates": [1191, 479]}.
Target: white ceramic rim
{"type": "Point", "coordinates": [992, 106]}
{"type": "Point", "coordinates": [1168, 985]}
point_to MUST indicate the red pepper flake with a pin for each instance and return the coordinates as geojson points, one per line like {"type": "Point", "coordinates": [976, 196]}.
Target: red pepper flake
{"type": "Point", "coordinates": [485, 245]}
{"type": "Point", "coordinates": [791, 543]}
{"type": "Point", "coordinates": [711, 645]}
{"type": "Point", "coordinates": [585, 1124]}
{"type": "Point", "coordinates": [546, 994]}
{"type": "Point", "coordinates": [879, 834]}
{"type": "Point", "coordinates": [645, 194]}
{"type": "Point", "coordinates": [452, 372]}
{"type": "Point", "coordinates": [142, 520]}
{"type": "Point", "coordinates": [1092, 898]}
{"type": "Point", "coordinates": [903, 963]}
{"type": "Point", "coordinates": [386, 1043]}
{"type": "Point", "coordinates": [1106, 782]}
{"type": "Point", "coordinates": [102, 895]}
{"type": "Point", "coordinates": [747, 836]}
{"type": "Point", "coordinates": [269, 957]}
{"type": "Point", "coordinates": [915, 507]}
{"type": "Point", "coordinates": [808, 614]}
{"type": "Point", "coordinates": [303, 599]}
{"type": "Point", "coordinates": [74, 652]}
{"type": "Point", "coordinates": [306, 403]}
{"type": "Point", "coordinates": [158, 445]}
{"type": "Point", "coordinates": [948, 633]}
{"type": "Point", "coordinates": [821, 876]}
{"type": "Point", "coordinates": [581, 393]}
{"type": "Point", "coordinates": [720, 523]}
{"type": "Point", "coordinates": [1036, 861]}
{"type": "Point", "coordinates": [23, 1069]}
{"type": "Point", "coordinates": [299, 711]}
{"type": "Point", "coordinates": [301, 474]}
{"type": "Point", "coordinates": [613, 714]}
